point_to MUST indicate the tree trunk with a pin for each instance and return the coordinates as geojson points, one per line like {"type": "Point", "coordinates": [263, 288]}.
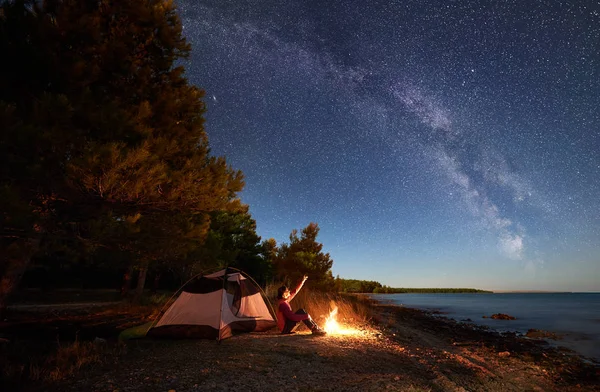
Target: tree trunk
{"type": "Point", "coordinates": [16, 258]}
{"type": "Point", "coordinates": [126, 286]}
{"type": "Point", "coordinates": [156, 282]}
{"type": "Point", "coordinates": [139, 290]}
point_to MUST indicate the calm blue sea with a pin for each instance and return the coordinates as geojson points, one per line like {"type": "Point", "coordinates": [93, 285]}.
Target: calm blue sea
{"type": "Point", "coordinates": [574, 315]}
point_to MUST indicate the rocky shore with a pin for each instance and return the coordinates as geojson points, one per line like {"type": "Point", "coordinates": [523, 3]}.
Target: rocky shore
{"type": "Point", "coordinates": [402, 350]}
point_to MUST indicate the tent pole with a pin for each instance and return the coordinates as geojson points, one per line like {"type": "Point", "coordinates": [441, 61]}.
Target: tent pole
{"type": "Point", "coordinates": [221, 304]}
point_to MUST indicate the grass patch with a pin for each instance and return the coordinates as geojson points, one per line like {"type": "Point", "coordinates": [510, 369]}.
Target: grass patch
{"type": "Point", "coordinates": [34, 363]}
{"type": "Point", "coordinates": [51, 345]}
{"type": "Point", "coordinates": [68, 359]}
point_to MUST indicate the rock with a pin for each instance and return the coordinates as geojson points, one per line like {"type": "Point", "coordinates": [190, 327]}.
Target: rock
{"type": "Point", "coordinates": [539, 334]}
{"type": "Point", "coordinates": [504, 354]}
{"type": "Point", "coordinates": [502, 316]}
{"type": "Point", "coordinates": [465, 343]}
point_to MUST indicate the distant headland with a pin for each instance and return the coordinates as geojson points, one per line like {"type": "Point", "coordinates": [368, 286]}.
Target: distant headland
{"type": "Point", "coordinates": [369, 286]}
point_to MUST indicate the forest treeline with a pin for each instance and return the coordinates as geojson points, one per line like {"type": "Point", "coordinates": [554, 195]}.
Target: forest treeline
{"type": "Point", "coordinates": [107, 176]}
{"type": "Point", "coordinates": [369, 286]}
{"type": "Point", "coordinates": [392, 290]}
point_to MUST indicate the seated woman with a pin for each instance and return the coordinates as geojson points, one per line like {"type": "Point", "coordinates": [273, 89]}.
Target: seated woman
{"type": "Point", "coordinates": [287, 321]}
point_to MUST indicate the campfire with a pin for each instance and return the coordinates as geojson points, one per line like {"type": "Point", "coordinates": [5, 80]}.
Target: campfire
{"type": "Point", "coordinates": [332, 327]}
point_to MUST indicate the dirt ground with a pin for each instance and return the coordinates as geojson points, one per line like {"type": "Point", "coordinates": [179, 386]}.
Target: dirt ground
{"type": "Point", "coordinates": [405, 350]}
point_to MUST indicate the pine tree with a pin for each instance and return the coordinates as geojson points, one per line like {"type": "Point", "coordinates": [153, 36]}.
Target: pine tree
{"type": "Point", "coordinates": [232, 242]}
{"type": "Point", "coordinates": [304, 256]}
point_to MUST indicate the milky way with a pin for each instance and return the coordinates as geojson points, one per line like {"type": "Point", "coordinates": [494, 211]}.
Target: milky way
{"type": "Point", "coordinates": [438, 144]}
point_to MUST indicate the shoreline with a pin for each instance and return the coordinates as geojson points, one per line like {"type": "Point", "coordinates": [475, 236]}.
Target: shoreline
{"type": "Point", "coordinates": [483, 329]}
{"type": "Point", "coordinates": [565, 366]}
{"type": "Point", "coordinates": [403, 349]}
{"type": "Point", "coordinates": [400, 349]}
{"type": "Point", "coordinates": [570, 327]}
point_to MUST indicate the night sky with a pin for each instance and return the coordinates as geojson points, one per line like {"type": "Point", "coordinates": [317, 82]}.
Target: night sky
{"type": "Point", "coordinates": [436, 143]}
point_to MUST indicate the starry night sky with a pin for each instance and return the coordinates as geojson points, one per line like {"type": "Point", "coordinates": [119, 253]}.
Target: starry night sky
{"type": "Point", "coordinates": [436, 143]}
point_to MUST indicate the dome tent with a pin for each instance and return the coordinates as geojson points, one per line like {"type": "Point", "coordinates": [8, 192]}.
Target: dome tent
{"type": "Point", "coordinates": [215, 306]}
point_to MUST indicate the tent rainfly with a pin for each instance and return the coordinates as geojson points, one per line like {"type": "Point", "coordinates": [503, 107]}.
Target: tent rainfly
{"type": "Point", "coordinates": [215, 306]}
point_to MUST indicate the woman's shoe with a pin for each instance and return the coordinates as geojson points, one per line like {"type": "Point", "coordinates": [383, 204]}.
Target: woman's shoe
{"type": "Point", "coordinates": [318, 331]}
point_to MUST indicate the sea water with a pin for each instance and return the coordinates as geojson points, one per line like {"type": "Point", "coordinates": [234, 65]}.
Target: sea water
{"type": "Point", "coordinates": [575, 316]}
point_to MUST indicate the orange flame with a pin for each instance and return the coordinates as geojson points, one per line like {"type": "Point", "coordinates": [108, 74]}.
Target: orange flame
{"type": "Point", "coordinates": [332, 327]}
{"type": "Point", "coordinates": [331, 324]}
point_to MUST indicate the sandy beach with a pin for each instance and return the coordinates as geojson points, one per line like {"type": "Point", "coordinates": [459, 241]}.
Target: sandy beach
{"type": "Point", "coordinates": [402, 350]}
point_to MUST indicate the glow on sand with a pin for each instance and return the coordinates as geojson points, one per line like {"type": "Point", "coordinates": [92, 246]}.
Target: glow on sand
{"type": "Point", "coordinates": [332, 327]}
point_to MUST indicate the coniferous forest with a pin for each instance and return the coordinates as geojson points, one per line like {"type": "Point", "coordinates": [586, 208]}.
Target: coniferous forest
{"type": "Point", "coordinates": [107, 178]}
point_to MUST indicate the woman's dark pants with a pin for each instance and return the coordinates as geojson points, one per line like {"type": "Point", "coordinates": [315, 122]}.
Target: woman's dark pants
{"type": "Point", "coordinates": [290, 325]}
